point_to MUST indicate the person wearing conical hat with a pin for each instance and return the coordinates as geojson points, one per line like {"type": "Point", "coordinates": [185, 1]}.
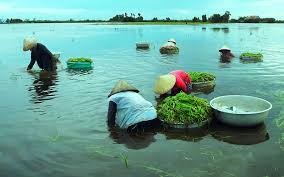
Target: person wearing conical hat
{"type": "Point", "coordinates": [129, 110]}
{"type": "Point", "coordinates": [170, 43]}
{"type": "Point", "coordinates": [226, 53]}
{"type": "Point", "coordinates": [173, 83]}
{"type": "Point", "coordinates": [39, 54]}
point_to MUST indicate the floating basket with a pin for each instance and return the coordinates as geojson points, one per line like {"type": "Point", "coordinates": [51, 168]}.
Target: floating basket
{"type": "Point", "coordinates": [80, 63]}
{"type": "Point", "coordinates": [202, 79]}
{"type": "Point", "coordinates": [142, 45]}
{"type": "Point", "coordinates": [184, 111]}
{"type": "Point", "coordinates": [251, 57]}
{"type": "Point", "coordinates": [169, 50]}
{"type": "Point", "coordinates": [199, 85]}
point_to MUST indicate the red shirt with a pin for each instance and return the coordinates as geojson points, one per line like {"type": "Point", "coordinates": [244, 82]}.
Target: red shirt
{"type": "Point", "coordinates": [182, 80]}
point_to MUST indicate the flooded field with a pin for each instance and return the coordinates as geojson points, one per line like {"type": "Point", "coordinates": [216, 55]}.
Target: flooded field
{"type": "Point", "coordinates": [56, 125]}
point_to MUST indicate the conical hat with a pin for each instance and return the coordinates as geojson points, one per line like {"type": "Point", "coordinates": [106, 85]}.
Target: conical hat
{"type": "Point", "coordinates": [164, 84]}
{"type": "Point", "coordinates": [224, 48]}
{"type": "Point", "coordinates": [122, 86]}
{"type": "Point", "coordinates": [29, 43]}
{"type": "Point", "coordinates": [172, 40]}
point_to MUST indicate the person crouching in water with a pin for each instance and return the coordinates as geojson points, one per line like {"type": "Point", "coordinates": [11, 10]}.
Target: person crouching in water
{"type": "Point", "coordinates": [130, 111]}
{"type": "Point", "coordinates": [39, 54]}
{"type": "Point", "coordinates": [173, 83]}
{"type": "Point", "coordinates": [226, 53]}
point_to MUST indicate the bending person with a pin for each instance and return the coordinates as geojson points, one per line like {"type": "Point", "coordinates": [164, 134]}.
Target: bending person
{"type": "Point", "coordinates": [39, 54]}
{"type": "Point", "coordinates": [173, 83]}
{"type": "Point", "coordinates": [129, 110]}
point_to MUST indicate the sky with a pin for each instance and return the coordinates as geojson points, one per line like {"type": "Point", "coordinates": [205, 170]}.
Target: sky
{"type": "Point", "coordinates": [105, 9]}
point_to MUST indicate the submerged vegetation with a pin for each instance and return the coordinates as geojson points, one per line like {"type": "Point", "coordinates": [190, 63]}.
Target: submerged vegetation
{"type": "Point", "coordinates": [184, 109]}
{"type": "Point", "coordinates": [201, 76]}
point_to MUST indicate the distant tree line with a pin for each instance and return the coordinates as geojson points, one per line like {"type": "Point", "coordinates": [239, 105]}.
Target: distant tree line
{"type": "Point", "coordinates": [126, 18]}
{"type": "Point", "coordinates": [255, 19]}
{"type": "Point", "coordinates": [131, 17]}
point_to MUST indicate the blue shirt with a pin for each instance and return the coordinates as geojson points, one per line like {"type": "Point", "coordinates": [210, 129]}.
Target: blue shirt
{"type": "Point", "coordinates": [132, 108]}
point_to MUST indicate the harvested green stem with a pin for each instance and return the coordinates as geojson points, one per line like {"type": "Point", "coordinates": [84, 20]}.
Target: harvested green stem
{"type": "Point", "coordinates": [169, 50]}
{"type": "Point", "coordinates": [201, 76]}
{"type": "Point", "coordinates": [251, 56]}
{"type": "Point", "coordinates": [184, 109]}
{"type": "Point", "coordinates": [88, 60]}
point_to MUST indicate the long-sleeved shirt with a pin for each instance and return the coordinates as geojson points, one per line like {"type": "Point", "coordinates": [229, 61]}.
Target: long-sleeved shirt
{"type": "Point", "coordinates": [42, 56]}
{"type": "Point", "coordinates": [182, 81]}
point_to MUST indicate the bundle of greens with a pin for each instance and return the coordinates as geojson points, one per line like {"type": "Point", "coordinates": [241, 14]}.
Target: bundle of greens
{"type": "Point", "coordinates": [184, 109]}
{"type": "Point", "coordinates": [201, 76]}
{"type": "Point", "coordinates": [251, 56]}
{"type": "Point", "coordinates": [169, 50]}
{"type": "Point", "coordinates": [87, 60]}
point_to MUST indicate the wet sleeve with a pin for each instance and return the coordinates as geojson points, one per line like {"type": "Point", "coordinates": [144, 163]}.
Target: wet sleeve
{"type": "Point", "coordinates": [112, 108]}
{"type": "Point", "coordinates": [32, 62]}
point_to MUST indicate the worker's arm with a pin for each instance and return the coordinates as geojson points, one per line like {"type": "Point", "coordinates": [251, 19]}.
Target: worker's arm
{"type": "Point", "coordinates": [112, 108]}
{"type": "Point", "coordinates": [32, 62]}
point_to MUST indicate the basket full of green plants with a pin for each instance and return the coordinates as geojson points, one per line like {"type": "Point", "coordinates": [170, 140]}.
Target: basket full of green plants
{"type": "Point", "coordinates": [79, 63]}
{"type": "Point", "coordinates": [251, 57]}
{"type": "Point", "coordinates": [202, 79]}
{"type": "Point", "coordinates": [169, 50]}
{"type": "Point", "coordinates": [184, 111]}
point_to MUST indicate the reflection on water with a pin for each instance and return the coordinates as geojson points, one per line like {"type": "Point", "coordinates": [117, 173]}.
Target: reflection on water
{"type": "Point", "coordinates": [223, 29]}
{"type": "Point", "coordinates": [225, 60]}
{"type": "Point", "coordinates": [239, 135]}
{"type": "Point", "coordinates": [44, 86]}
{"type": "Point", "coordinates": [190, 134]}
{"type": "Point", "coordinates": [132, 140]}
{"type": "Point", "coordinates": [74, 72]}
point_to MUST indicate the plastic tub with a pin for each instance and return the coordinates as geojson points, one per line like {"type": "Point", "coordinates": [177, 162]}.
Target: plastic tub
{"type": "Point", "coordinates": [79, 65]}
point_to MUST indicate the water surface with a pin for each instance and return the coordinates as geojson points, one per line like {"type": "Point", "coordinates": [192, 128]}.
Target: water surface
{"type": "Point", "coordinates": [55, 125]}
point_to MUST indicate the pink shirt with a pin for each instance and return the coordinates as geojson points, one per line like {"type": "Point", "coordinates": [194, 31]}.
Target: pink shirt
{"type": "Point", "coordinates": [182, 80]}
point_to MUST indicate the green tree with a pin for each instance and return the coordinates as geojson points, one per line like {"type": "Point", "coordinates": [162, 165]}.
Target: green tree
{"type": "Point", "coordinates": [196, 19]}
{"type": "Point", "coordinates": [215, 18]}
{"type": "Point", "coordinates": [204, 18]}
{"type": "Point", "coordinates": [226, 17]}
{"type": "Point", "coordinates": [155, 19]}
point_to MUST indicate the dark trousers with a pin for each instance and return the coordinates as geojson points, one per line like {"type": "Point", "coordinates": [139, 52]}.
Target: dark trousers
{"type": "Point", "coordinates": [146, 126]}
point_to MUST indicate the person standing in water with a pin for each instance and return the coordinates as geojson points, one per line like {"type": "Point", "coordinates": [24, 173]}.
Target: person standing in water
{"type": "Point", "coordinates": [40, 54]}
{"type": "Point", "coordinates": [226, 53]}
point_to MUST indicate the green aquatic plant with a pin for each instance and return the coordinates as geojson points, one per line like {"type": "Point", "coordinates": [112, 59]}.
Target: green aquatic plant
{"type": "Point", "coordinates": [54, 138]}
{"type": "Point", "coordinates": [124, 159]}
{"type": "Point", "coordinates": [169, 50]}
{"type": "Point", "coordinates": [87, 60]}
{"type": "Point", "coordinates": [201, 76]}
{"type": "Point", "coordinates": [255, 57]}
{"type": "Point", "coordinates": [184, 109]}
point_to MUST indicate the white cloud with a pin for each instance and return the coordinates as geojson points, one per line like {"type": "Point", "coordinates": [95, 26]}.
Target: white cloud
{"type": "Point", "coordinates": [49, 11]}
{"type": "Point", "coordinates": [5, 7]}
